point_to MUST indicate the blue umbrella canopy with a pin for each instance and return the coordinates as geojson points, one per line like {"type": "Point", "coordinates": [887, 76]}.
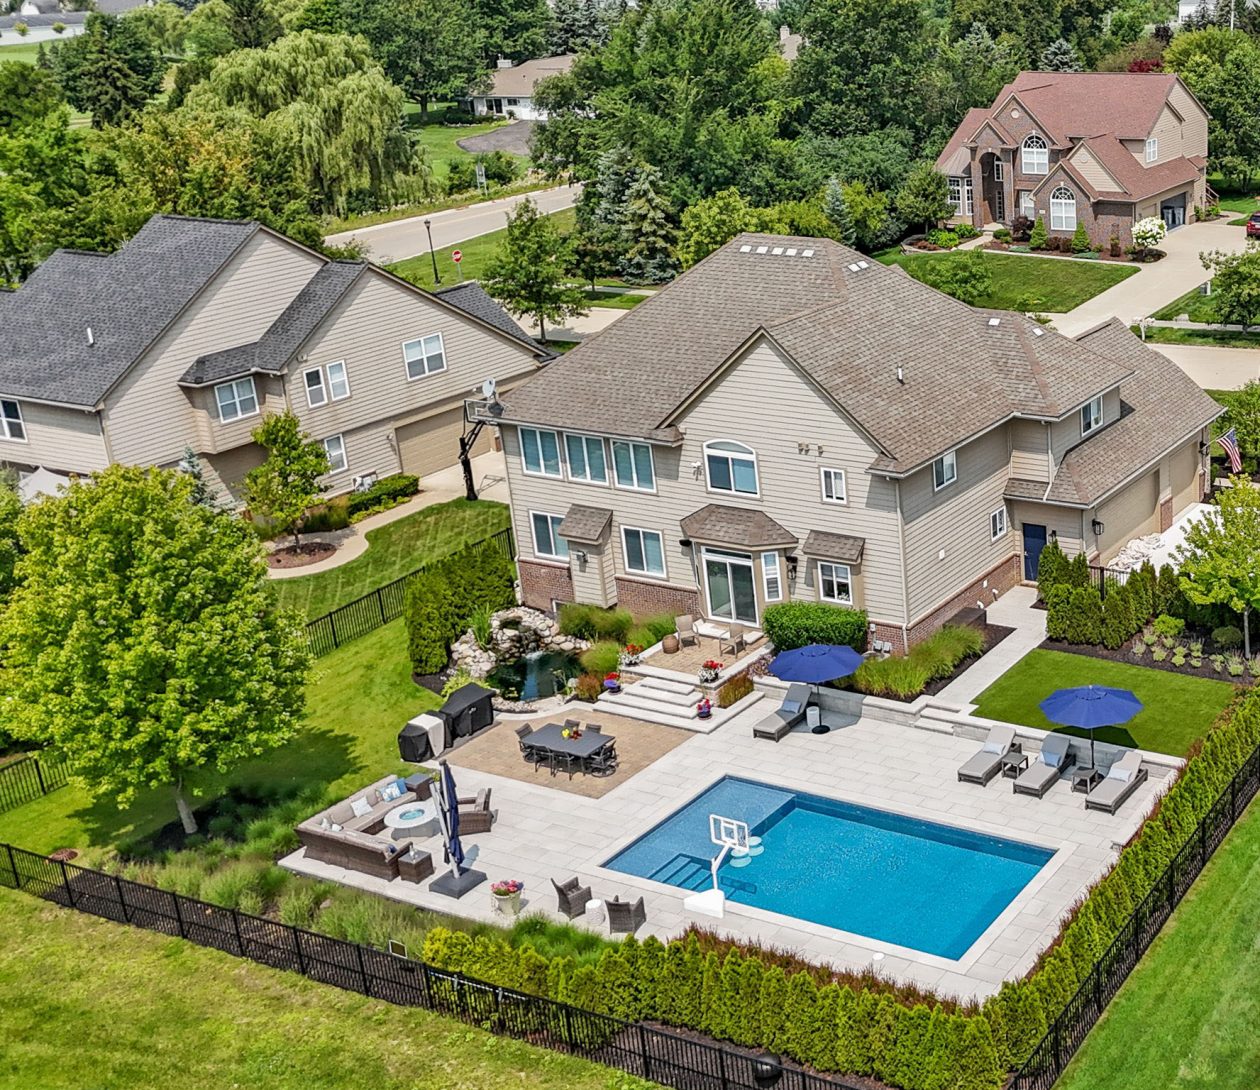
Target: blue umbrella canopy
{"type": "Point", "coordinates": [450, 817]}
{"type": "Point", "coordinates": [1089, 707]}
{"type": "Point", "coordinates": [815, 663]}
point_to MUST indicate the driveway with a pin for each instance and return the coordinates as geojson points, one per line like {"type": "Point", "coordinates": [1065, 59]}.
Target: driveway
{"type": "Point", "coordinates": [1214, 368]}
{"type": "Point", "coordinates": [389, 242]}
{"type": "Point", "coordinates": [513, 138]}
{"type": "Point", "coordinates": [1158, 284]}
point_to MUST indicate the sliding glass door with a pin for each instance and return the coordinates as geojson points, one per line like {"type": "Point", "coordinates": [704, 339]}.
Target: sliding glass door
{"type": "Point", "coordinates": [731, 588]}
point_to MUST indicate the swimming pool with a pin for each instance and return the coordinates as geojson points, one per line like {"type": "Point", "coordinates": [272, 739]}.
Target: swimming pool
{"type": "Point", "coordinates": [889, 877]}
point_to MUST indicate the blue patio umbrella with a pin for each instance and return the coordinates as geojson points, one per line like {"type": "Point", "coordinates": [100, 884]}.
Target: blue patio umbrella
{"type": "Point", "coordinates": [453, 850]}
{"type": "Point", "coordinates": [1089, 707]}
{"type": "Point", "coordinates": [814, 664]}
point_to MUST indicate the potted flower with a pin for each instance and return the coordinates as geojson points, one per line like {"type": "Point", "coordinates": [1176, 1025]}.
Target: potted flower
{"type": "Point", "coordinates": [709, 672]}
{"type": "Point", "coordinates": [630, 655]}
{"type": "Point", "coordinates": [705, 708]}
{"type": "Point", "coordinates": [612, 681]}
{"type": "Point", "coordinates": [505, 896]}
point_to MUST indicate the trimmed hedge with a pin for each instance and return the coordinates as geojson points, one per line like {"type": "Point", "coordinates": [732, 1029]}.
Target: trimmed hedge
{"type": "Point", "coordinates": [442, 600]}
{"type": "Point", "coordinates": [797, 624]}
{"type": "Point", "coordinates": [387, 492]}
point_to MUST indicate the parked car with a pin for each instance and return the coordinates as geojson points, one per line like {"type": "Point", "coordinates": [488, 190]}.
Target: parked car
{"type": "Point", "coordinates": [1253, 225]}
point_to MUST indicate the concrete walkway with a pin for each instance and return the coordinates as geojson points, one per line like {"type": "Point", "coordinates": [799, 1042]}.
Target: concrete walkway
{"type": "Point", "coordinates": [1214, 368]}
{"type": "Point", "coordinates": [581, 328]}
{"type": "Point", "coordinates": [1014, 610]}
{"type": "Point", "coordinates": [489, 474]}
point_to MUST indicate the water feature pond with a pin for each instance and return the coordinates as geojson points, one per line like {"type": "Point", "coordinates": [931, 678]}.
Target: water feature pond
{"type": "Point", "coordinates": [535, 676]}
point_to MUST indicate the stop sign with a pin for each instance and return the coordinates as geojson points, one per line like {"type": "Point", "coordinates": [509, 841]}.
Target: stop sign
{"type": "Point", "coordinates": [457, 256]}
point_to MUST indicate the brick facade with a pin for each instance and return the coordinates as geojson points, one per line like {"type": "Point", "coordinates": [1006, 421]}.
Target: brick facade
{"type": "Point", "coordinates": [1009, 573]}
{"type": "Point", "coordinates": [643, 598]}
{"type": "Point", "coordinates": [1165, 514]}
{"type": "Point", "coordinates": [542, 584]}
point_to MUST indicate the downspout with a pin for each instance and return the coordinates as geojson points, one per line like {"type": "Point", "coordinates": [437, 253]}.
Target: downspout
{"type": "Point", "coordinates": [905, 591]}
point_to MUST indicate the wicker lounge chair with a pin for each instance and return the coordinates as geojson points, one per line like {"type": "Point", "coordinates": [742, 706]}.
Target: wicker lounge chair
{"type": "Point", "coordinates": [573, 897]}
{"type": "Point", "coordinates": [1122, 779]}
{"type": "Point", "coordinates": [474, 813]}
{"type": "Point", "coordinates": [790, 713]}
{"type": "Point", "coordinates": [685, 627]}
{"type": "Point", "coordinates": [625, 917]}
{"type": "Point", "coordinates": [988, 762]}
{"type": "Point", "coordinates": [1056, 755]}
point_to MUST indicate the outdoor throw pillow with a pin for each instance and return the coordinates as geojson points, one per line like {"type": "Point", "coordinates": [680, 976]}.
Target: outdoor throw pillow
{"type": "Point", "coordinates": [323, 823]}
{"type": "Point", "coordinates": [791, 706]}
{"type": "Point", "coordinates": [992, 747]}
{"type": "Point", "coordinates": [1124, 775]}
{"type": "Point", "coordinates": [1050, 757]}
{"type": "Point", "coordinates": [360, 807]}
{"type": "Point", "coordinates": [336, 828]}
{"type": "Point", "coordinates": [389, 792]}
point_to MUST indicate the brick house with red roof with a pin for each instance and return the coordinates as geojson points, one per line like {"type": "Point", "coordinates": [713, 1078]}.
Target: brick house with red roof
{"type": "Point", "coordinates": [1098, 148]}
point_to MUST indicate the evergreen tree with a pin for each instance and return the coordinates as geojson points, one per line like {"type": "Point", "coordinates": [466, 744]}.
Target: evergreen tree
{"type": "Point", "coordinates": [1078, 570]}
{"type": "Point", "coordinates": [1086, 620]}
{"type": "Point", "coordinates": [109, 71]}
{"type": "Point", "coordinates": [578, 25]}
{"type": "Point", "coordinates": [647, 232]}
{"type": "Point", "coordinates": [1118, 623]}
{"type": "Point", "coordinates": [513, 29]}
{"type": "Point", "coordinates": [323, 16]}
{"type": "Point", "coordinates": [1037, 237]}
{"type": "Point", "coordinates": [836, 209]}
{"type": "Point", "coordinates": [1051, 568]}
{"type": "Point", "coordinates": [1059, 56]}
{"type": "Point", "coordinates": [924, 196]}
{"type": "Point", "coordinates": [201, 493]}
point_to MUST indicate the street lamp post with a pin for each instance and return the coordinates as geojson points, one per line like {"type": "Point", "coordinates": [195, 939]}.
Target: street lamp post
{"type": "Point", "coordinates": [432, 256]}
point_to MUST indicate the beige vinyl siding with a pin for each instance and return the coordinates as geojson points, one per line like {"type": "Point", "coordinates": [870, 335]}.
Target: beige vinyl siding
{"type": "Point", "coordinates": [214, 435]}
{"type": "Point", "coordinates": [1132, 513]}
{"type": "Point", "coordinates": [590, 580]}
{"type": "Point", "coordinates": [60, 439]}
{"type": "Point", "coordinates": [955, 521]}
{"type": "Point", "coordinates": [1093, 172]}
{"type": "Point", "coordinates": [1184, 468]}
{"type": "Point", "coordinates": [1194, 128]}
{"type": "Point", "coordinates": [368, 450]}
{"type": "Point", "coordinates": [148, 417]}
{"type": "Point", "coordinates": [1030, 450]}
{"type": "Point", "coordinates": [1066, 433]}
{"type": "Point", "coordinates": [367, 331]}
{"type": "Point", "coordinates": [225, 473]}
{"type": "Point", "coordinates": [428, 445]}
{"type": "Point", "coordinates": [1063, 522]}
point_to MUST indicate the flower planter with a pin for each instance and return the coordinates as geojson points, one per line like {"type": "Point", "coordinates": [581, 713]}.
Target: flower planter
{"type": "Point", "coordinates": [670, 645]}
{"type": "Point", "coordinates": [506, 904]}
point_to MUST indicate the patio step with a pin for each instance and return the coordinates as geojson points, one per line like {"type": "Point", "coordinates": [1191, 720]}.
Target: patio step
{"type": "Point", "coordinates": [629, 697]}
{"type": "Point", "coordinates": [667, 714]}
{"type": "Point", "coordinates": [669, 685]}
{"type": "Point", "coordinates": [665, 692]}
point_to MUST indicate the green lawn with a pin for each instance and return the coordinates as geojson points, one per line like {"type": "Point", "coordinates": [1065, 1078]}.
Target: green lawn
{"type": "Point", "coordinates": [1221, 338]}
{"type": "Point", "coordinates": [21, 51]}
{"type": "Point", "coordinates": [394, 550]}
{"type": "Point", "coordinates": [439, 142]}
{"type": "Point", "coordinates": [1200, 308]}
{"type": "Point", "coordinates": [616, 300]}
{"type": "Point", "coordinates": [1186, 1019]}
{"type": "Point", "coordinates": [1056, 284]}
{"type": "Point", "coordinates": [1178, 709]}
{"type": "Point", "coordinates": [357, 699]}
{"type": "Point", "coordinates": [91, 1005]}
{"type": "Point", "coordinates": [476, 253]}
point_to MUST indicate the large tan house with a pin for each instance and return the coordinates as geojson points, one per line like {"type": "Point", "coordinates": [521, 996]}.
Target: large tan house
{"type": "Point", "coordinates": [789, 420]}
{"type": "Point", "coordinates": [1099, 148]}
{"type": "Point", "coordinates": [196, 328]}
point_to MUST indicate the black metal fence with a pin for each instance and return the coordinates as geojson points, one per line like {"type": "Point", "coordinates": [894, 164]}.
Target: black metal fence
{"type": "Point", "coordinates": [1070, 1028]}
{"type": "Point", "coordinates": [29, 778]}
{"type": "Point", "coordinates": [1100, 577]}
{"type": "Point", "coordinates": [384, 604]}
{"type": "Point", "coordinates": [664, 1057]}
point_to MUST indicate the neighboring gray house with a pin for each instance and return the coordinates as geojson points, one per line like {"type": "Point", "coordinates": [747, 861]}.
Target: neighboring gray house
{"type": "Point", "coordinates": [790, 419]}
{"type": "Point", "coordinates": [195, 328]}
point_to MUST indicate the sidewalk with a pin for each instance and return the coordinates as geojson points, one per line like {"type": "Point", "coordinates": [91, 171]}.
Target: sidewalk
{"type": "Point", "coordinates": [489, 474]}
{"type": "Point", "coordinates": [1014, 610]}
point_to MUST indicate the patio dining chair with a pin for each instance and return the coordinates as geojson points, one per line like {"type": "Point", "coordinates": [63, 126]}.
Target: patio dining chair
{"type": "Point", "coordinates": [603, 762]}
{"type": "Point", "coordinates": [528, 750]}
{"type": "Point", "coordinates": [593, 728]}
{"type": "Point", "coordinates": [685, 629]}
{"type": "Point", "coordinates": [733, 642]}
{"type": "Point", "coordinates": [572, 724]}
{"type": "Point", "coordinates": [572, 896]}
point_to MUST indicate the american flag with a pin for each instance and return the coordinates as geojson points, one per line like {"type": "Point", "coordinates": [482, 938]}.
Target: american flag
{"type": "Point", "coordinates": [1229, 443]}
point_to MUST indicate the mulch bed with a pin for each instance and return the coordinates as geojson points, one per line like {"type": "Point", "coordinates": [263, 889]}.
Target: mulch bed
{"type": "Point", "coordinates": [993, 635]}
{"type": "Point", "coordinates": [1123, 654]}
{"type": "Point", "coordinates": [299, 556]}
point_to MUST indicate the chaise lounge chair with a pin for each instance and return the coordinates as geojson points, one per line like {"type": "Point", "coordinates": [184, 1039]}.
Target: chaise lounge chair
{"type": "Point", "coordinates": [988, 762]}
{"type": "Point", "coordinates": [789, 714]}
{"type": "Point", "coordinates": [1122, 779]}
{"type": "Point", "coordinates": [1056, 755]}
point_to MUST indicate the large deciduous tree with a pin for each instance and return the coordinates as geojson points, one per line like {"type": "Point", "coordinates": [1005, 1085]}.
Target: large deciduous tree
{"type": "Point", "coordinates": [140, 639]}
{"type": "Point", "coordinates": [110, 70]}
{"type": "Point", "coordinates": [285, 486]}
{"type": "Point", "coordinates": [1235, 284]}
{"type": "Point", "coordinates": [924, 196]}
{"type": "Point", "coordinates": [27, 94]}
{"type": "Point", "coordinates": [516, 30]}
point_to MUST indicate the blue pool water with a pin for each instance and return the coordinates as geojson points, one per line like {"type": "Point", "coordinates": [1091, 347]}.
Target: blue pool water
{"type": "Point", "coordinates": [892, 878]}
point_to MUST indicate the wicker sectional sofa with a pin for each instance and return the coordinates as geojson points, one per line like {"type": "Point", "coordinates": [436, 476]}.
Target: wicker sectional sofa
{"type": "Point", "coordinates": [336, 836]}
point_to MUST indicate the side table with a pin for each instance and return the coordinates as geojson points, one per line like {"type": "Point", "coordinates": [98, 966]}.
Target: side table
{"type": "Point", "coordinates": [596, 913]}
{"type": "Point", "coordinates": [1084, 779]}
{"type": "Point", "coordinates": [421, 783]}
{"type": "Point", "coordinates": [415, 866]}
{"type": "Point", "coordinates": [1013, 763]}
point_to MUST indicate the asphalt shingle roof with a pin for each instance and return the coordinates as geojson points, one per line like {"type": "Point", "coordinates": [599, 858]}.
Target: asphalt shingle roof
{"type": "Point", "coordinates": [843, 547]}
{"type": "Point", "coordinates": [742, 526]}
{"type": "Point", "coordinates": [583, 523]}
{"type": "Point", "coordinates": [126, 298]}
{"type": "Point", "coordinates": [472, 299]}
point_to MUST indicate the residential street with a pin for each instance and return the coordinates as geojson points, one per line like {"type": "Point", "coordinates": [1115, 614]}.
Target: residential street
{"type": "Point", "coordinates": [1214, 368]}
{"type": "Point", "coordinates": [389, 242]}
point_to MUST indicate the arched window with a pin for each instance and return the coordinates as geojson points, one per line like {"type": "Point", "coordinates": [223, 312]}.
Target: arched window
{"type": "Point", "coordinates": [1062, 210]}
{"type": "Point", "coordinates": [1035, 155]}
{"type": "Point", "coordinates": [731, 467]}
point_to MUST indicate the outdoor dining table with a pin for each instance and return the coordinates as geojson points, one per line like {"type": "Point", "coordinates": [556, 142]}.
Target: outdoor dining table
{"type": "Point", "coordinates": [550, 740]}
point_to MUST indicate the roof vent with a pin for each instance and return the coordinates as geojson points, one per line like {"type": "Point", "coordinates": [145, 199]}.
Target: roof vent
{"type": "Point", "coordinates": [777, 250]}
{"type": "Point", "coordinates": [1039, 332]}
{"type": "Point", "coordinates": [90, 339]}
{"type": "Point", "coordinates": [995, 321]}
{"type": "Point", "coordinates": [745, 249]}
{"type": "Point", "coordinates": [901, 374]}
{"type": "Point", "coordinates": [762, 249]}
{"type": "Point", "coordinates": [807, 253]}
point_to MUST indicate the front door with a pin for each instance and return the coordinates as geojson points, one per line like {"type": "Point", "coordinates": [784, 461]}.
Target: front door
{"type": "Point", "coordinates": [1034, 542]}
{"type": "Point", "coordinates": [731, 588]}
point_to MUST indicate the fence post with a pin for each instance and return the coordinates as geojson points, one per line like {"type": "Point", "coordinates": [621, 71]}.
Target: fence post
{"type": "Point", "coordinates": [358, 949]}
{"type": "Point", "coordinates": [65, 877]}
{"type": "Point", "coordinates": [1056, 1047]}
{"type": "Point", "coordinates": [179, 916]}
{"type": "Point", "coordinates": [1098, 996]}
{"type": "Point", "coordinates": [1202, 844]}
{"type": "Point", "coordinates": [722, 1067]}
{"type": "Point", "coordinates": [568, 1026]}
{"type": "Point", "coordinates": [297, 946]}
{"type": "Point", "coordinates": [17, 880]}
{"type": "Point", "coordinates": [39, 775]}
{"type": "Point", "coordinates": [426, 987]}
{"type": "Point", "coordinates": [380, 604]}
{"type": "Point", "coordinates": [122, 900]}
{"type": "Point", "coordinates": [236, 926]}
{"type": "Point", "coordinates": [643, 1051]}
{"type": "Point", "coordinates": [332, 623]}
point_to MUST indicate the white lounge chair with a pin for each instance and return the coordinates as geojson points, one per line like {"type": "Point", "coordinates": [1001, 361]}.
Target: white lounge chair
{"type": "Point", "coordinates": [789, 714]}
{"type": "Point", "coordinates": [1122, 779]}
{"type": "Point", "coordinates": [988, 762]}
{"type": "Point", "coordinates": [1056, 755]}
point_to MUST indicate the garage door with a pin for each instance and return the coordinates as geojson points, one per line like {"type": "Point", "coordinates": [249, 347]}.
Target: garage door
{"type": "Point", "coordinates": [1185, 477]}
{"type": "Point", "coordinates": [429, 445]}
{"type": "Point", "coordinates": [1131, 514]}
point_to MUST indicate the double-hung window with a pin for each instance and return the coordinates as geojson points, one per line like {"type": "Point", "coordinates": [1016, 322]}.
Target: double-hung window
{"type": "Point", "coordinates": [835, 583]}
{"type": "Point", "coordinates": [770, 574]}
{"type": "Point", "coordinates": [1027, 206]}
{"type": "Point", "coordinates": [335, 446]}
{"type": "Point", "coordinates": [320, 392]}
{"type": "Point", "coordinates": [833, 486]}
{"type": "Point", "coordinates": [424, 356]}
{"type": "Point", "coordinates": [316, 395]}
{"type": "Point", "coordinates": [547, 540]}
{"type": "Point", "coordinates": [997, 524]}
{"type": "Point", "coordinates": [632, 465]}
{"type": "Point", "coordinates": [540, 452]}
{"type": "Point", "coordinates": [1152, 149]}
{"type": "Point", "coordinates": [999, 170]}
{"type": "Point", "coordinates": [236, 399]}
{"type": "Point", "coordinates": [11, 423]}
{"type": "Point", "coordinates": [1034, 155]}
{"type": "Point", "coordinates": [1091, 416]}
{"type": "Point", "coordinates": [1063, 209]}
{"type": "Point", "coordinates": [586, 459]}
{"type": "Point", "coordinates": [945, 470]}
{"type": "Point", "coordinates": [731, 467]}
{"type": "Point", "coordinates": [338, 380]}
{"type": "Point", "coordinates": [644, 552]}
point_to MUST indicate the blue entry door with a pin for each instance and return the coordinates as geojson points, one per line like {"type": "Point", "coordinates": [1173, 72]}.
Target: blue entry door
{"type": "Point", "coordinates": [1034, 542]}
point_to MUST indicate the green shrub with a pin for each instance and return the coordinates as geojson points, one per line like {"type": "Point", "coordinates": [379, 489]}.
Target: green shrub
{"type": "Point", "coordinates": [1002, 234]}
{"type": "Point", "coordinates": [601, 658]}
{"type": "Point", "coordinates": [947, 647]}
{"type": "Point", "coordinates": [1119, 624]}
{"type": "Point", "coordinates": [1038, 237]}
{"type": "Point", "coordinates": [334, 515]}
{"type": "Point", "coordinates": [797, 624]}
{"type": "Point", "coordinates": [897, 677]}
{"type": "Point", "coordinates": [1076, 571]}
{"type": "Point", "coordinates": [946, 240]}
{"type": "Point", "coordinates": [1058, 611]}
{"type": "Point", "coordinates": [965, 231]}
{"type": "Point", "coordinates": [660, 625]}
{"type": "Point", "coordinates": [1085, 621]}
{"type": "Point", "coordinates": [734, 690]}
{"type": "Point", "coordinates": [1167, 591]}
{"type": "Point", "coordinates": [576, 619]}
{"type": "Point", "coordinates": [1052, 567]}
{"type": "Point", "coordinates": [1165, 625]}
{"type": "Point", "coordinates": [1080, 240]}
{"type": "Point", "coordinates": [301, 901]}
{"type": "Point", "coordinates": [612, 624]}
{"type": "Point", "coordinates": [1141, 584]}
{"type": "Point", "coordinates": [236, 885]}
{"type": "Point", "coordinates": [1227, 637]}
{"type": "Point", "coordinates": [385, 493]}
{"type": "Point", "coordinates": [641, 636]}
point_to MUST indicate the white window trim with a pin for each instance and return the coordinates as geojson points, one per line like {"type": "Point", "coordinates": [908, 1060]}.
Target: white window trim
{"type": "Point", "coordinates": [772, 568]}
{"type": "Point", "coordinates": [542, 472]}
{"type": "Point", "coordinates": [999, 170]}
{"type": "Point", "coordinates": [822, 485]}
{"type": "Point", "coordinates": [420, 341]}
{"type": "Point", "coordinates": [732, 491]}
{"type": "Point", "coordinates": [997, 524]}
{"type": "Point", "coordinates": [613, 460]}
{"type": "Point", "coordinates": [948, 458]}
{"type": "Point", "coordinates": [555, 532]}
{"type": "Point", "coordinates": [848, 580]}
{"type": "Point", "coordinates": [1026, 166]}
{"type": "Point", "coordinates": [625, 554]}
{"type": "Point", "coordinates": [322, 387]}
{"type": "Point", "coordinates": [1061, 211]}
{"type": "Point", "coordinates": [345, 454]}
{"type": "Point", "coordinates": [236, 400]}
{"type": "Point", "coordinates": [345, 376]}
{"type": "Point", "coordinates": [1091, 420]}
{"type": "Point", "coordinates": [1152, 148]}
{"type": "Point", "coordinates": [1027, 206]}
{"type": "Point", "coordinates": [5, 422]}
{"type": "Point", "coordinates": [568, 464]}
